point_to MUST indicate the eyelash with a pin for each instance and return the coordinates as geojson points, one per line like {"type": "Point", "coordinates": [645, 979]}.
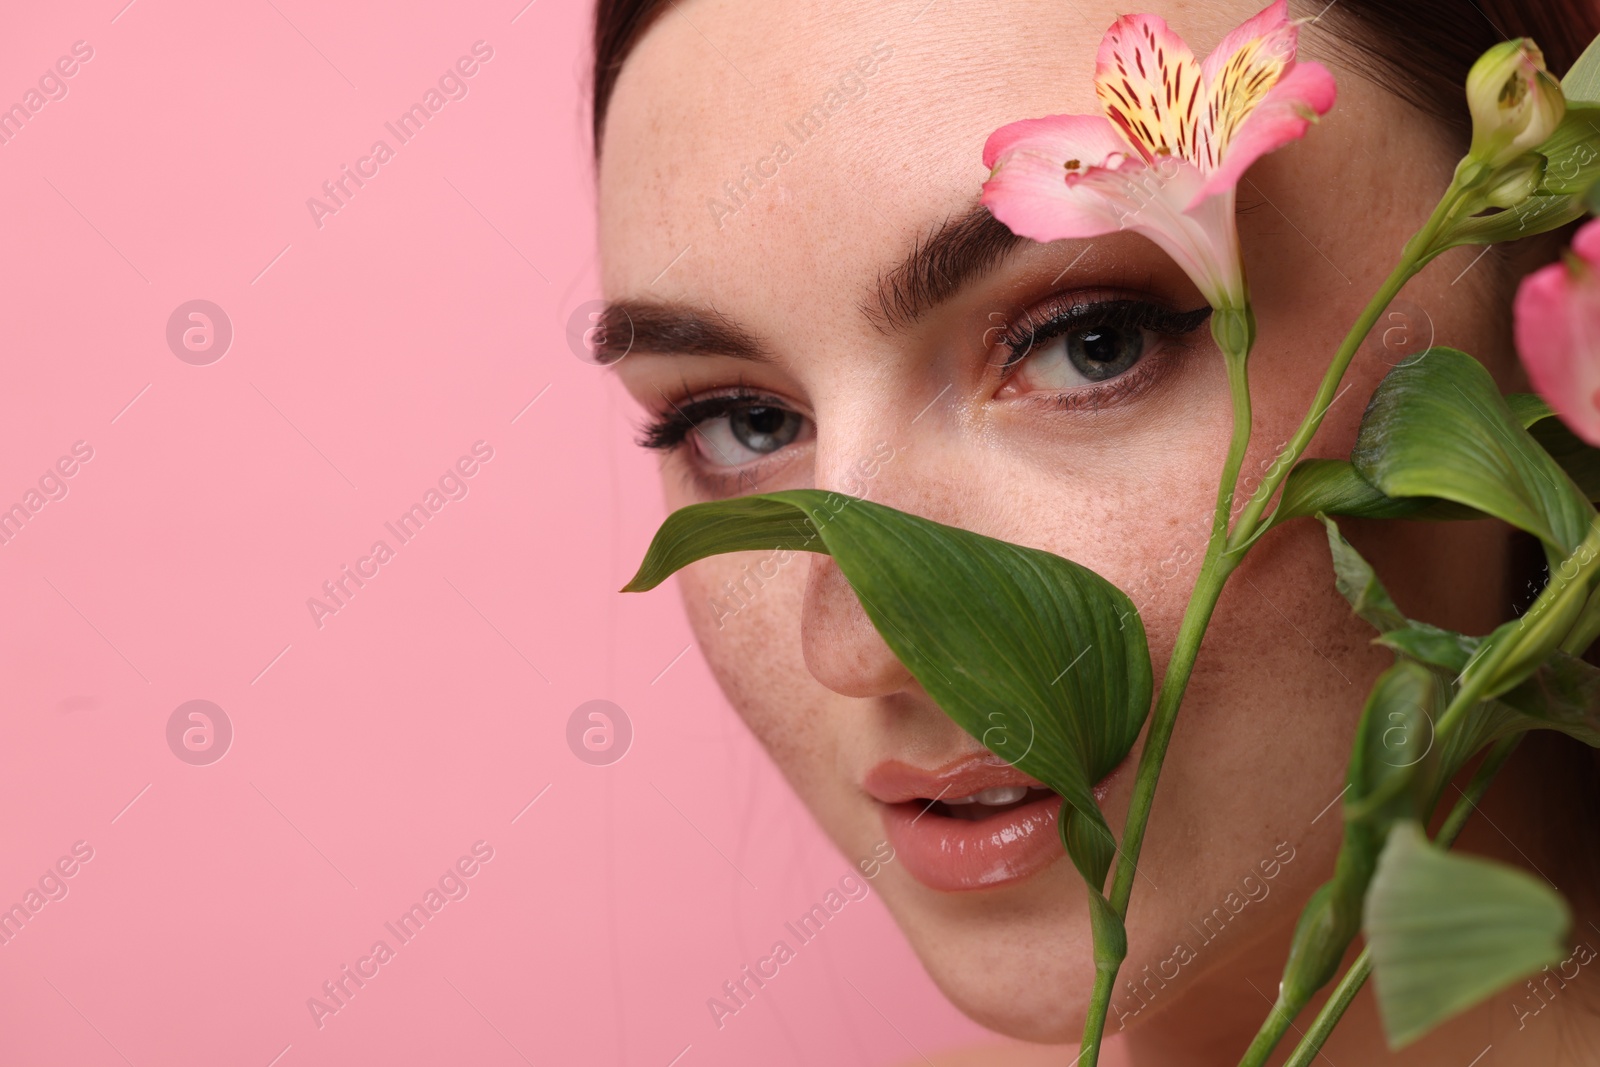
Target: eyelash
{"type": "Point", "coordinates": [1074, 312]}
{"type": "Point", "coordinates": [1036, 326]}
{"type": "Point", "coordinates": [666, 432]}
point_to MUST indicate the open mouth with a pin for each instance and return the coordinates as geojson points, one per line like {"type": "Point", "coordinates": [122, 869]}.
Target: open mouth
{"type": "Point", "coordinates": [971, 834]}
{"type": "Point", "coordinates": [985, 803]}
{"type": "Point", "coordinates": [974, 823]}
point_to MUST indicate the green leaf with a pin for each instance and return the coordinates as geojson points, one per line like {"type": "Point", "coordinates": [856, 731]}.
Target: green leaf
{"type": "Point", "coordinates": [1528, 408]}
{"type": "Point", "coordinates": [1334, 487]}
{"type": "Point", "coordinates": [1395, 735]}
{"type": "Point", "coordinates": [1578, 459]}
{"type": "Point", "coordinates": [1572, 154]}
{"type": "Point", "coordinates": [1042, 660]}
{"type": "Point", "coordinates": [1438, 427]}
{"type": "Point", "coordinates": [1429, 644]}
{"type": "Point", "coordinates": [1445, 931]}
{"type": "Point", "coordinates": [1563, 695]}
{"type": "Point", "coordinates": [1582, 83]}
{"type": "Point", "coordinates": [1358, 583]}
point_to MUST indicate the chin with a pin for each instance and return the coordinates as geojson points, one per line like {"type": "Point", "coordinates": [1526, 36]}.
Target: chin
{"type": "Point", "coordinates": [1018, 960]}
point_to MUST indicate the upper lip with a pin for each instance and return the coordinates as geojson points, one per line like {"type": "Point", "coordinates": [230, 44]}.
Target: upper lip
{"type": "Point", "coordinates": [894, 782]}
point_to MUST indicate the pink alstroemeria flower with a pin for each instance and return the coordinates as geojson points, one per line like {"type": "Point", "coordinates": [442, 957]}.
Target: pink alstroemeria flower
{"type": "Point", "coordinates": [1557, 317]}
{"type": "Point", "coordinates": [1165, 158]}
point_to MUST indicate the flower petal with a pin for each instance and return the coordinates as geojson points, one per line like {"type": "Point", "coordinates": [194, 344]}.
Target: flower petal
{"type": "Point", "coordinates": [1240, 73]}
{"type": "Point", "coordinates": [1150, 85]}
{"type": "Point", "coordinates": [1037, 196]}
{"type": "Point", "coordinates": [1268, 25]}
{"type": "Point", "coordinates": [1557, 316]}
{"type": "Point", "coordinates": [1292, 105]}
{"type": "Point", "coordinates": [1032, 161]}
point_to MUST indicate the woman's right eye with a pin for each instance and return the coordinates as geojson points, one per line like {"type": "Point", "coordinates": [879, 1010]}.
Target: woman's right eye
{"type": "Point", "coordinates": [730, 431]}
{"type": "Point", "coordinates": [747, 434]}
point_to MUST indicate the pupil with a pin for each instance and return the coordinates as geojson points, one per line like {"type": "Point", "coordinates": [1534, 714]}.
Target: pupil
{"type": "Point", "coordinates": [763, 428]}
{"type": "Point", "coordinates": [766, 420]}
{"type": "Point", "coordinates": [1105, 352]}
{"type": "Point", "coordinates": [1100, 347]}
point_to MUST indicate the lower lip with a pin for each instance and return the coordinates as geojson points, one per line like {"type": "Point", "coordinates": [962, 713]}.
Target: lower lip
{"type": "Point", "coordinates": [953, 855]}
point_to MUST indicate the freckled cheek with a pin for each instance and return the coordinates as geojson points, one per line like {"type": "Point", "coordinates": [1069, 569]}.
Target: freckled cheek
{"type": "Point", "coordinates": [745, 612]}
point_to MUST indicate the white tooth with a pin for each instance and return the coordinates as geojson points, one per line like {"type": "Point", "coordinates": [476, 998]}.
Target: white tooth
{"type": "Point", "coordinates": [1001, 794]}
{"type": "Point", "coordinates": [954, 801]}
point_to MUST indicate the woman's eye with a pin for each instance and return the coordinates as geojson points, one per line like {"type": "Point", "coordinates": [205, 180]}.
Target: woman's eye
{"type": "Point", "coordinates": [749, 433]}
{"type": "Point", "coordinates": [1082, 356]}
{"type": "Point", "coordinates": [1085, 344]}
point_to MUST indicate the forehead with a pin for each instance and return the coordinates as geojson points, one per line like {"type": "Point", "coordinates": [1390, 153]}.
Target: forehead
{"type": "Point", "coordinates": [815, 140]}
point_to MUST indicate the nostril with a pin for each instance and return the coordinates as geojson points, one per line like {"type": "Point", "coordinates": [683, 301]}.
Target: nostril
{"type": "Point", "coordinates": [843, 650]}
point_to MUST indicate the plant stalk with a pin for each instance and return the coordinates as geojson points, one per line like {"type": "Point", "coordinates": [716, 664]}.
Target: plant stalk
{"type": "Point", "coordinates": [1235, 335]}
{"type": "Point", "coordinates": [1311, 1044]}
{"type": "Point", "coordinates": [1418, 253]}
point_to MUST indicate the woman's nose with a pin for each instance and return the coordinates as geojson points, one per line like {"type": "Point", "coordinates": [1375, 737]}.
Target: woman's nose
{"type": "Point", "coordinates": [843, 650]}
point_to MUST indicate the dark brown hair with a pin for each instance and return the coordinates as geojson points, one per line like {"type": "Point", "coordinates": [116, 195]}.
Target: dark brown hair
{"type": "Point", "coordinates": [1421, 49]}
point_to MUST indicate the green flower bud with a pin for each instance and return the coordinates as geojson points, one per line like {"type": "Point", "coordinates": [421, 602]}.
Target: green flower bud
{"type": "Point", "coordinates": [1516, 104]}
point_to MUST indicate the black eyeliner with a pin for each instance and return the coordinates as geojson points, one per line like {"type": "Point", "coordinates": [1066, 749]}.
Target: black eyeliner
{"type": "Point", "coordinates": [1131, 314]}
{"type": "Point", "coordinates": [670, 429]}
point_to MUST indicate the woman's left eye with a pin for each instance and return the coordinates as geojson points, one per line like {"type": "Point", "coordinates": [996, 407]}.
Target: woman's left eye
{"type": "Point", "coordinates": [1083, 357]}
{"type": "Point", "coordinates": [1086, 344]}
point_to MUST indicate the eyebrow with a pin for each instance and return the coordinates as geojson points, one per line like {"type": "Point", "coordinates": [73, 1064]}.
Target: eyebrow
{"type": "Point", "coordinates": [962, 248]}
{"type": "Point", "coordinates": [958, 250]}
{"type": "Point", "coordinates": [673, 329]}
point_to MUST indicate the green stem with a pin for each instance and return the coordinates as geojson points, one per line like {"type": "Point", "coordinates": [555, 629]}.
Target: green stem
{"type": "Point", "coordinates": [1094, 1025]}
{"type": "Point", "coordinates": [1417, 254]}
{"type": "Point", "coordinates": [1271, 1032]}
{"type": "Point", "coordinates": [1311, 1045]}
{"type": "Point", "coordinates": [1234, 331]}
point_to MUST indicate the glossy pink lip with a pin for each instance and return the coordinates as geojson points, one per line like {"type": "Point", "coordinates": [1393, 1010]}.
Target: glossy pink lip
{"type": "Point", "coordinates": [955, 855]}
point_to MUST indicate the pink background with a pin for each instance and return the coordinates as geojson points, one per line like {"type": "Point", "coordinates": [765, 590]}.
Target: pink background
{"type": "Point", "coordinates": [371, 752]}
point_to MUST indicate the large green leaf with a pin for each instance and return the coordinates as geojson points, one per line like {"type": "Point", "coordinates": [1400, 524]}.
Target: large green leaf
{"type": "Point", "coordinates": [1446, 930]}
{"type": "Point", "coordinates": [1438, 427]}
{"type": "Point", "coordinates": [1042, 660]}
{"type": "Point", "coordinates": [1334, 487]}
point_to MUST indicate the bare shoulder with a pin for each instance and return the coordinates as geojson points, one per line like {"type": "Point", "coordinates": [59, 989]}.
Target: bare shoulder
{"type": "Point", "coordinates": [1011, 1054]}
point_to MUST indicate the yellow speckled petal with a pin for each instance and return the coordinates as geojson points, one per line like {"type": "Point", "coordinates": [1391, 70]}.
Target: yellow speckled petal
{"type": "Point", "coordinates": [1151, 86]}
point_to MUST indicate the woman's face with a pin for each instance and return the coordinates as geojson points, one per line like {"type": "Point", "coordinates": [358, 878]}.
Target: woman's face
{"type": "Point", "coordinates": [789, 212]}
